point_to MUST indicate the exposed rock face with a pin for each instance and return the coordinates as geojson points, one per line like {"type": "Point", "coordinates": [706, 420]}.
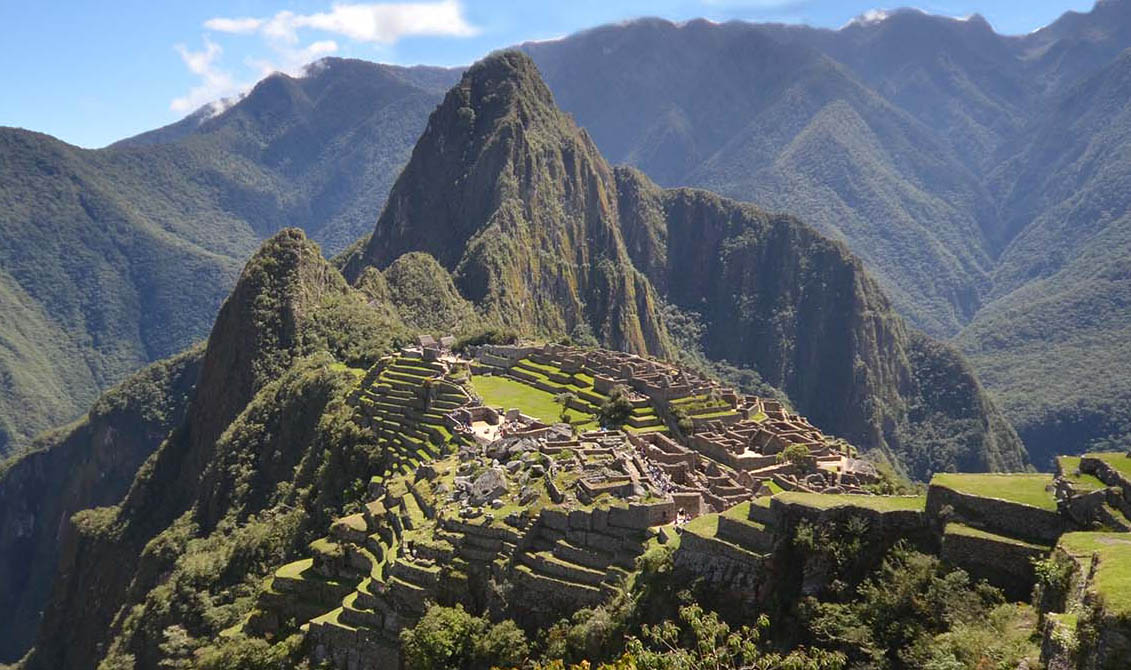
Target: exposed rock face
{"type": "Point", "coordinates": [85, 465]}
{"type": "Point", "coordinates": [543, 235]}
{"type": "Point", "coordinates": [488, 486]}
{"type": "Point", "coordinates": [508, 194]}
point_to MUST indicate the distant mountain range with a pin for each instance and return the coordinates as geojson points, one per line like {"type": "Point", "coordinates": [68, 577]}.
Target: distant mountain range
{"type": "Point", "coordinates": [979, 177]}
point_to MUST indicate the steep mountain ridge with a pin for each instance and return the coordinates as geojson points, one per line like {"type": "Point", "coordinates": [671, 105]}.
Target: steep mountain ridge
{"type": "Point", "coordinates": [513, 198]}
{"type": "Point", "coordinates": [88, 464]}
{"type": "Point", "coordinates": [798, 308]}
{"type": "Point", "coordinates": [748, 115]}
{"type": "Point", "coordinates": [288, 304]}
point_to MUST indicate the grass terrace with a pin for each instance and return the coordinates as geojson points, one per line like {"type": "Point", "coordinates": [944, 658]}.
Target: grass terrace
{"type": "Point", "coordinates": [1113, 575]}
{"type": "Point", "coordinates": [877, 503]}
{"type": "Point", "coordinates": [967, 531]}
{"type": "Point", "coordinates": [508, 393]}
{"type": "Point", "coordinates": [1118, 460]}
{"type": "Point", "coordinates": [1070, 466]}
{"type": "Point", "coordinates": [1024, 489]}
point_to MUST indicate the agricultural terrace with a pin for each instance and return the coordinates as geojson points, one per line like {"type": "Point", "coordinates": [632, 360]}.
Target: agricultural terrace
{"type": "Point", "coordinates": [831, 500]}
{"type": "Point", "coordinates": [1070, 469]}
{"type": "Point", "coordinates": [498, 391]}
{"type": "Point", "coordinates": [1112, 580]}
{"type": "Point", "coordinates": [1025, 489]}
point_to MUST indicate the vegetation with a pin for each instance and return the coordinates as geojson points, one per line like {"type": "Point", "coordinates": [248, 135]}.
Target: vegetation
{"type": "Point", "coordinates": [508, 393]}
{"type": "Point", "coordinates": [1112, 579]}
{"type": "Point", "coordinates": [448, 638]}
{"type": "Point", "coordinates": [796, 455]}
{"type": "Point", "coordinates": [1019, 488]}
{"type": "Point", "coordinates": [616, 409]}
{"type": "Point", "coordinates": [914, 613]}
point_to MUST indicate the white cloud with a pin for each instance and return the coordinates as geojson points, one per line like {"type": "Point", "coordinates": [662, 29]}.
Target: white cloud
{"type": "Point", "coordinates": [245, 25]}
{"type": "Point", "coordinates": [215, 83]}
{"type": "Point", "coordinates": [379, 23]}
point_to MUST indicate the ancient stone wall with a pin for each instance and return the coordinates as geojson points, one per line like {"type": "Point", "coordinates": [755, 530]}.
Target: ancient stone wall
{"type": "Point", "coordinates": [998, 516]}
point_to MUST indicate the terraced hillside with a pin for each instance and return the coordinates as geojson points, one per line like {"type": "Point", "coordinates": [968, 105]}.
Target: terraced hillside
{"type": "Point", "coordinates": [490, 504]}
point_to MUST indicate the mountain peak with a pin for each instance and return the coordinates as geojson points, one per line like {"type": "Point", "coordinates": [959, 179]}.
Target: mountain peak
{"type": "Point", "coordinates": [477, 141]}
{"type": "Point", "coordinates": [501, 171]}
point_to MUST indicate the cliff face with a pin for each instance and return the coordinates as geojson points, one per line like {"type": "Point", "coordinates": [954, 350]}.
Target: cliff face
{"type": "Point", "coordinates": [89, 464]}
{"type": "Point", "coordinates": [508, 194]}
{"type": "Point", "coordinates": [775, 295]}
{"type": "Point", "coordinates": [289, 303]}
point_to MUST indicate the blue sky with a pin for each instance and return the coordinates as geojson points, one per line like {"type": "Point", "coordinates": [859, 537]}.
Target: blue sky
{"type": "Point", "coordinates": [94, 72]}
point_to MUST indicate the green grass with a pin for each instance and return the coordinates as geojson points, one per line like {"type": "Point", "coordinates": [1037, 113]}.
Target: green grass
{"type": "Point", "coordinates": [967, 531]}
{"type": "Point", "coordinates": [1116, 459]}
{"type": "Point", "coordinates": [295, 570]}
{"type": "Point", "coordinates": [508, 393]}
{"type": "Point", "coordinates": [1025, 489]}
{"type": "Point", "coordinates": [1070, 467]}
{"type": "Point", "coordinates": [1113, 575]}
{"type": "Point", "coordinates": [703, 526]}
{"type": "Point", "coordinates": [830, 500]}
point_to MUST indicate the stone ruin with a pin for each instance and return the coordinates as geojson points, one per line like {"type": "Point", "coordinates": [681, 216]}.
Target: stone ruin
{"type": "Point", "coordinates": [732, 450]}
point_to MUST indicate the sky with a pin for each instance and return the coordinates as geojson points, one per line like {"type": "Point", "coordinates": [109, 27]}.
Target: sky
{"type": "Point", "coordinates": [97, 71]}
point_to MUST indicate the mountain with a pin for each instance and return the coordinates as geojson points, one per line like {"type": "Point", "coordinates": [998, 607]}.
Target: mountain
{"type": "Point", "coordinates": [270, 448]}
{"type": "Point", "coordinates": [88, 464]}
{"type": "Point", "coordinates": [914, 139]}
{"type": "Point", "coordinates": [276, 357]}
{"type": "Point", "coordinates": [1055, 338]}
{"type": "Point", "coordinates": [500, 171]}
{"type": "Point", "coordinates": [737, 110]}
{"type": "Point", "coordinates": [114, 258]}
{"type": "Point", "coordinates": [972, 173]}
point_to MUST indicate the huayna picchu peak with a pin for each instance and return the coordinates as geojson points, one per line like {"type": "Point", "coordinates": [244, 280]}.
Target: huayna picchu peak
{"type": "Point", "coordinates": [482, 397]}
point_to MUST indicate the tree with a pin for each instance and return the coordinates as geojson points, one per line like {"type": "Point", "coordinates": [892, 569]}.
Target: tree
{"type": "Point", "coordinates": [702, 641]}
{"type": "Point", "coordinates": [449, 638]}
{"type": "Point", "coordinates": [565, 399]}
{"type": "Point", "coordinates": [615, 411]}
{"type": "Point", "coordinates": [796, 455]}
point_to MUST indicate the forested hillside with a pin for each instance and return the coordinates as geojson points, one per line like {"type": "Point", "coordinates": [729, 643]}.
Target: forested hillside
{"type": "Point", "coordinates": [114, 258]}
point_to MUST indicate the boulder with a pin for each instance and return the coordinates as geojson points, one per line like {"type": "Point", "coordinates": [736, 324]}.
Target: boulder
{"type": "Point", "coordinates": [489, 485]}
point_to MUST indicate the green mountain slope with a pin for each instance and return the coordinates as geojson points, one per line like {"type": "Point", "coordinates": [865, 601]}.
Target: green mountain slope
{"type": "Point", "coordinates": [1055, 342]}
{"type": "Point", "coordinates": [291, 315]}
{"type": "Point", "coordinates": [117, 257]}
{"type": "Point", "coordinates": [88, 464]}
